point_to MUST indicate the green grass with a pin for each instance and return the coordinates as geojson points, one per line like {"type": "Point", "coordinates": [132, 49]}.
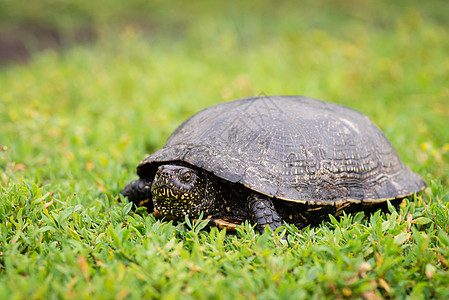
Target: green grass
{"type": "Point", "coordinates": [75, 123]}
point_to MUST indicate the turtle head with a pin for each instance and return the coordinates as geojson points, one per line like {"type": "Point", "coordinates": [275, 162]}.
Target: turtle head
{"type": "Point", "coordinates": [179, 190]}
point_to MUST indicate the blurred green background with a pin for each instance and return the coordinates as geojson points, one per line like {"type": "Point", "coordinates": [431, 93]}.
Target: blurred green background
{"type": "Point", "coordinates": [88, 88]}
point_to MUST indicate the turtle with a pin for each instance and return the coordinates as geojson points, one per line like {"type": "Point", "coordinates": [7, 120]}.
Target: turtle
{"type": "Point", "coordinates": [270, 160]}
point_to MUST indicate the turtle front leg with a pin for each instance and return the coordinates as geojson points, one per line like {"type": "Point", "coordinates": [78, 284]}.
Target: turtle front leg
{"type": "Point", "coordinates": [263, 213]}
{"type": "Point", "coordinates": [139, 192]}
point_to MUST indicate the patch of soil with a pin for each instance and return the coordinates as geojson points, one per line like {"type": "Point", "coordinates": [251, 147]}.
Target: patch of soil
{"type": "Point", "coordinates": [18, 43]}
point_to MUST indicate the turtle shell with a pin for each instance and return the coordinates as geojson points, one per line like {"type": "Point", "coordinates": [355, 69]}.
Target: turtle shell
{"type": "Point", "coordinates": [291, 148]}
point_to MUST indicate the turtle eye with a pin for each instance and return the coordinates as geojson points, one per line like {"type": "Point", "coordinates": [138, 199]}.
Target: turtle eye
{"type": "Point", "coordinates": [187, 176]}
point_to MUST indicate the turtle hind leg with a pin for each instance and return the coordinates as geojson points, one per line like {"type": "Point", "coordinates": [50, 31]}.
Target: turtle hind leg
{"type": "Point", "coordinates": [139, 192]}
{"type": "Point", "coordinates": [263, 213]}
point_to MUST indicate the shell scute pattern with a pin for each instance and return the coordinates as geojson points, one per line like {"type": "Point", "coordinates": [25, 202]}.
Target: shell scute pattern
{"type": "Point", "coordinates": [292, 148]}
